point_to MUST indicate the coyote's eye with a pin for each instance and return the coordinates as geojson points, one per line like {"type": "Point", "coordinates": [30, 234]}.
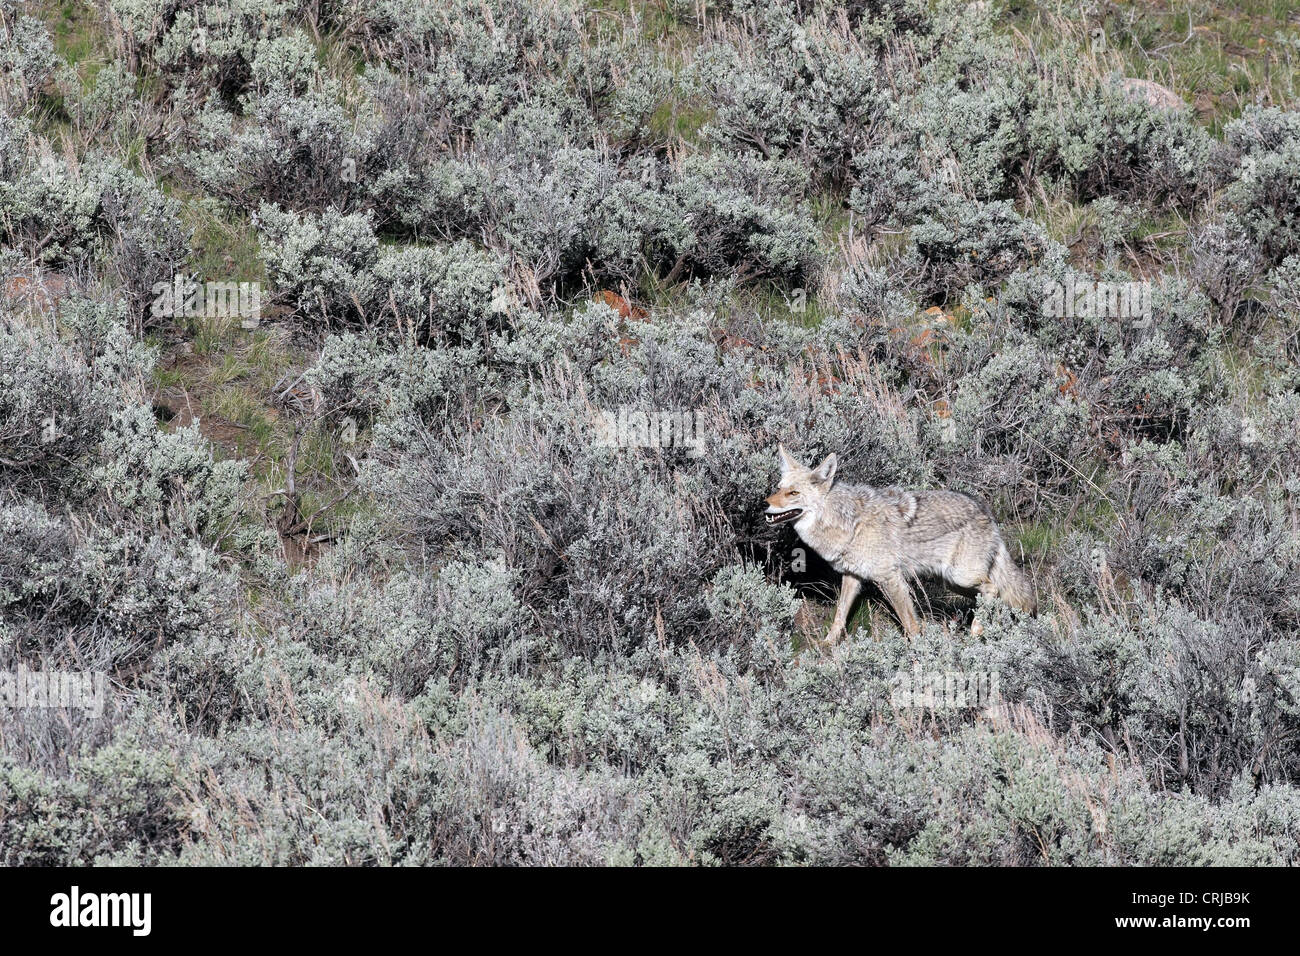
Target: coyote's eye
{"type": "Point", "coordinates": [792, 493]}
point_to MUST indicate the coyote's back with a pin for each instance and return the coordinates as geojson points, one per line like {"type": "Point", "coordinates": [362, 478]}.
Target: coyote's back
{"type": "Point", "coordinates": [955, 537]}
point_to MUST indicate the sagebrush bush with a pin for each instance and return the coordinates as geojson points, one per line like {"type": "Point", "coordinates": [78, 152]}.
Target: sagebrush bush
{"type": "Point", "coordinates": [299, 149]}
{"type": "Point", "coordinates": [194, 45]}
{"type": "Point", "coordinates": [743, 214]}
{"type": "Point", "coordinates": [27, 59]}
{"type": "Point", "coordinates": [332, 270]}
{"type": "Point", "coordinates": [804, 89]}
{"type": "Point", "coordinates": [95, 215]}
{"type": "Point", "coordinates": [1264, 188]}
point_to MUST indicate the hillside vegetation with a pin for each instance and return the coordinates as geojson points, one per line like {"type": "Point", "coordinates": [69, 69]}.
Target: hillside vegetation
{"type": "Point", "coordinates": [370, 583]}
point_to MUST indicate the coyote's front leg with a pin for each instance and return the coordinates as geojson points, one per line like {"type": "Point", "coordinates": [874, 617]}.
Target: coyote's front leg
{"type": "Point", "coordinates": [849, 588]}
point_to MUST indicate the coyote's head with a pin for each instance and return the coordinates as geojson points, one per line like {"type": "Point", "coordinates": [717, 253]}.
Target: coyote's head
{"type": "Point", "coordinates": [801, 491]}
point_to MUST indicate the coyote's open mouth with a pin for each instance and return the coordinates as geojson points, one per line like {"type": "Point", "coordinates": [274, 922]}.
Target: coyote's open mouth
{"type": "Point", "coordinates": [781, 517]}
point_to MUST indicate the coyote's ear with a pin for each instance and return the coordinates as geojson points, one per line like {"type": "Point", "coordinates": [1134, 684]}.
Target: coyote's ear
{"type": "Point", "coordinates": [788, 464]}
{"type": "Point", "coordinates": [825, 472]}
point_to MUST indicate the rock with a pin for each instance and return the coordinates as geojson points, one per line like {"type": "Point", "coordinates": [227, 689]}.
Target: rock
{"type": "Point", "coordinates": [621, 305]}
{"type": "Point", "coordinates": [1151, 93]}
{"type": "Point", "coordinates": [39, 291]}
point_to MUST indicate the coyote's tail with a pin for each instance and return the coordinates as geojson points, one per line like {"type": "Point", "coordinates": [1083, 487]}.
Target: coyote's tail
{"type": "Point", "coordinates": [1010, 582]}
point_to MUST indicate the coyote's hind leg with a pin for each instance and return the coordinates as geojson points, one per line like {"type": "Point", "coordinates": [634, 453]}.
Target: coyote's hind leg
{"type": "Point", "coordinates": [900, 596]}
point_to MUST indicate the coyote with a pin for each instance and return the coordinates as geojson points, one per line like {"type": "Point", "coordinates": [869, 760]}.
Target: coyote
{"type": "Point", "coordinates": [889, 535]}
